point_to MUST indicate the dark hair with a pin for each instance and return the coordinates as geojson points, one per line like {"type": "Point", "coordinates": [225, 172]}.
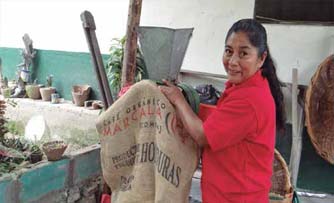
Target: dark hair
{"type": "Point", "coordinates": [258, 37]}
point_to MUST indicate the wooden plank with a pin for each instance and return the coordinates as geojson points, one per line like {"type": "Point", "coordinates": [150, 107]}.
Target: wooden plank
{"type": "Point", "coordinates": [89, 27]}
{"type": "Point", "coordinates": [130, 49]}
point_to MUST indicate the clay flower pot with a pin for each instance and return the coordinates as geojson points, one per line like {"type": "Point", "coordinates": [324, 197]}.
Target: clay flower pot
{"type": "Point", "coordinates": [46, 93]}
{"type": "Point", "coordinates": [80, 94]}
{"type": "Point", "coordinates": [54, 150]}
{"type": "Point", "coordinates": [33, 91]}
{"type": "Point", "coordinates": [36, 154]}
{"type": "Point", "coordinates": [35, 157]}
{"type": "Point", "coordinates": [6, 92]}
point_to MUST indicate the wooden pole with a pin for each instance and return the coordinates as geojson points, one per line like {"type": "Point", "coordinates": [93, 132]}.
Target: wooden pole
{"type": "Point", "coordinates": [130, 49]}
{"type": "Point", "coordinates": [297, 130]}
{"type": "Point", "coordinates": [89, 27]}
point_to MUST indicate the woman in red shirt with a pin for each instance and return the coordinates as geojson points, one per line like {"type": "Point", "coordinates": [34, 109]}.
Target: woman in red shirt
{"type": "Point", "coordinates": [238, 137]}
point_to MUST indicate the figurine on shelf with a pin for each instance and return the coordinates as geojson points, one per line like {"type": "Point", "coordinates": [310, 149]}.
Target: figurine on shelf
{"type": "Point", "coordinates": [28, 55]}
{"type": "Point", "coordinates": [23, 73]}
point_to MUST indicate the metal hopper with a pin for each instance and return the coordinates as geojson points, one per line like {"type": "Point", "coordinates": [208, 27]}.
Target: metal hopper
{"type": "Point", "coordinates": [163, 50]}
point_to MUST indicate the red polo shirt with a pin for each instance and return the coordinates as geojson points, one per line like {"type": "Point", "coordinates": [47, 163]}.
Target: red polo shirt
{"type": "Point", "coordinates": [237, 164]}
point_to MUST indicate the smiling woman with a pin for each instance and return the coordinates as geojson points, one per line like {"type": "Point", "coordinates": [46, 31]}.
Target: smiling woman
{"type": "Point", "coordinates": [240, 58]}
{"type": "Point", "coordinates": [239, 135]}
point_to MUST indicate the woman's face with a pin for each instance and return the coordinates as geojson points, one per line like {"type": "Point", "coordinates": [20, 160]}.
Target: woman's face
{"type": "Point", "coordinates": [241, 58]}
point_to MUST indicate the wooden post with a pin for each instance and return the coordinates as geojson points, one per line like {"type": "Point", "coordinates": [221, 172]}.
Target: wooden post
{"type": "Point", "coordinates": [130, 49]}
{"type": "Point", "coordinates": [89, 27]}
{"type": "Point", "coordinates": [297, 130]}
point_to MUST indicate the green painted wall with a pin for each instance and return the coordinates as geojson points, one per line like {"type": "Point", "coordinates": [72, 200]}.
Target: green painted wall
{"type": "Point", "coordinates": [10, 57]}
{"type": "Point", "coordinates": [51, 177]}
{"type": "Point", "coordinates": [86, 165]}
{"type": "Point", "coordinates": [4, 188]}
{"type": "Point", "coordinates": [67, 68]}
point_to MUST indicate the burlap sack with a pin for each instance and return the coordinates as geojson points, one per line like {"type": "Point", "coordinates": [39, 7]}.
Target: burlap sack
{"type": "Point", "coordinates": [146, 155]}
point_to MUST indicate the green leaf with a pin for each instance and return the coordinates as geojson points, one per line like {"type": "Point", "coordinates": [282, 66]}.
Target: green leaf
{"type": "Point", "coordinates": [115, 63]}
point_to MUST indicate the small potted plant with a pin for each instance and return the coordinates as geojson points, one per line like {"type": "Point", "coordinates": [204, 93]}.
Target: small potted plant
{"type": "Point", "coordinates": [33, 91]}
{"type": "Point", "coordinates": [36, 154]}
{"type": "Point", "coordinates": [48, 90]}
{"type": "Point", "coordinates": [54, 150]}
{"type": "Point", "coordinates": [5, 89]}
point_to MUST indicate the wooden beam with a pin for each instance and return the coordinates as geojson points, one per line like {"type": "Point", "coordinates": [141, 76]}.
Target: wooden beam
{"type": "Point", "coordinates": [130, 49]}
{"type": "Point", "coordinates": [89, 27]}
{"type": "Point", "coordinates": [297, 130]}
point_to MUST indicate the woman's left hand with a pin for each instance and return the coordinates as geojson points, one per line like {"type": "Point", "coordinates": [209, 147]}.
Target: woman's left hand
{"type": "Point", "coordinates": [190, 120]}
{"type": "Point", "coordinates": [172, 92]}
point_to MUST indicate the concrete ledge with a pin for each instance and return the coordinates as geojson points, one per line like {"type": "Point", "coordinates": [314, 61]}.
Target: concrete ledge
{"type": "Point", "coordinates": [39, 181]}
{"type": "Point", "coordinates": [86, 163]}
{"type": "Point", "coordinates": [51, 180]}
{"type": "Point", "coordinates": [75, 125]}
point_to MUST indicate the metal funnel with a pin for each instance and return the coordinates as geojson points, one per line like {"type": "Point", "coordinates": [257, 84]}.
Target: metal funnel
{"type": "Point", "coordinates": [163, 50]}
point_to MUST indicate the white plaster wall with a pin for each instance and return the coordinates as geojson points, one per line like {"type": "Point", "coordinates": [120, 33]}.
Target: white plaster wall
{"type": "Point", "coordinates": [56, 25]}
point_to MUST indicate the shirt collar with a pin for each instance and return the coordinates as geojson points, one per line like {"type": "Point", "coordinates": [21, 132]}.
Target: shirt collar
{"type": "Point", "coordinates": [255, 80]}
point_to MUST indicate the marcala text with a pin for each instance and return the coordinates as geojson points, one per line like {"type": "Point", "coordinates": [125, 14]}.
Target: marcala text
{"type": "Point", "coordinates": [149, 153]}
{"type": "Point", "coordinates": [145, 108]}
